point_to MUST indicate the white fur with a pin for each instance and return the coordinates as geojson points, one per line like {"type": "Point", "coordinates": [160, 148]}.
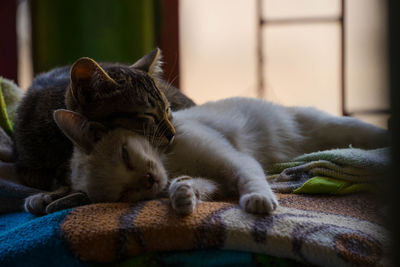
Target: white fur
{"type": "Point", "coordinates": [225, 146]}
{"type": "Point", "coordinates": [103, 175]}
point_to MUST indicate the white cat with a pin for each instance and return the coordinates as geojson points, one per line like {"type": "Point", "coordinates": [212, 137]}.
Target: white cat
{"type": "Point", "coordinates": [220, 149]}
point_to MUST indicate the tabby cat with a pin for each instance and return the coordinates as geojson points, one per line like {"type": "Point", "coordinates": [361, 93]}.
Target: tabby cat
{"type": "Point", "coordinates": [220, 149]}
{"type": "Point", "coordinates": [109, 95]}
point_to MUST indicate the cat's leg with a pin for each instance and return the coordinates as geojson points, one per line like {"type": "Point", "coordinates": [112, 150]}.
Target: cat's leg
{"type": "Point", "coordinates": [255, 193]}
{"type": "Point", "coordinates": [36, 204]}
{"type": "Point", "coordinates": [185, 192]}
{"type": "Point", "coordinates": [241, 173]}
{"type": "Point", "coordinates": [324, 131]}
{"type": "Point", "coordinates": [72, 200]}
{"type": "Point", "coordinates": [236, 172]}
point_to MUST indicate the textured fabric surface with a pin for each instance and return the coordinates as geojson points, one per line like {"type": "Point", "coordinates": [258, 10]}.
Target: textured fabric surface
{"type": "Point", "coordinates": [26, 240]}
{"type": "Point", "coordinates": [10, 95]}
{"type": "Point", "coordinates": [319, 230]}
{"type": "Point", "coordinates": [374, 160]}
{"type": "Point", "coordinates": [337, 171]}
{"type": "Point", "coordinates": [5, 123]}
{"type": "Point", "coordinates": [326, 185]}
{"type": "Point", "coordinates": [325, 231]}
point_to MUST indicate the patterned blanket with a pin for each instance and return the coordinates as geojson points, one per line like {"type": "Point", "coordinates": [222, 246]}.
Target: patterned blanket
{"type": "Point", "coordinates": [319, 230]}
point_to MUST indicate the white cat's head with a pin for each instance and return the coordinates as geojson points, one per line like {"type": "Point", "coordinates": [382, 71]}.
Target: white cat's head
{"type": "Point", "coordinates": [109, 166]}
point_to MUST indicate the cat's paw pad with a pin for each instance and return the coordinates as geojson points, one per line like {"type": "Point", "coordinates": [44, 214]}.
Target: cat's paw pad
{"type": "Point", "coordinates": [259, 203]}
{"type": "Point", "coordinates": [36, 204]}
{"type": "Point", "coordinates": [183, 196]}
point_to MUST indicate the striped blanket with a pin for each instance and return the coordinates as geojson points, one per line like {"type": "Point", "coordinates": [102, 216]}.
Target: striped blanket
{"type": "Point", "coordinates": [319, 230]}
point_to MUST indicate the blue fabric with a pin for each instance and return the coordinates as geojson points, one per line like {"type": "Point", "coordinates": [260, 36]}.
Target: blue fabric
{"type": "Point", "coordinates": [26, 240]}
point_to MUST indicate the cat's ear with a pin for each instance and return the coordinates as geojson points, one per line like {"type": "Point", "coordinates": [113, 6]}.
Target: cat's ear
{"type": "Point", "coordinates": [78, 129]}
{"type": "Point", "coordinates": [86, 72]}
{"type": "Point", "coordinates": [150, 63]}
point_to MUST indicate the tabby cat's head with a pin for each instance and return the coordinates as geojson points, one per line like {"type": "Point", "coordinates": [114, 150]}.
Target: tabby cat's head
{"type": "Point", "coordinates": [120, 96]}
{"type": "Point", "coordinates": [115, 165]}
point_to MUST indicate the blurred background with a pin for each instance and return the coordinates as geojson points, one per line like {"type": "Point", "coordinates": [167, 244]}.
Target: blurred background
{"type": "Point", "coordinates": [331, 54]}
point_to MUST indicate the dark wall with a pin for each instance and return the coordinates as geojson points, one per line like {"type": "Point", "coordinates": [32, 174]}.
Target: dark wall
{"type": "Point", "coordinates": [8, 39]}
{"type": "Point", "coordinates": [169, 39]}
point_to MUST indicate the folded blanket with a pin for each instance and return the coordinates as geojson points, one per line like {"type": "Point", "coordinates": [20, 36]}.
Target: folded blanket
{"type": "Point", "coordinates": [337, 171]}
{"type": "Point", "coordinates": [318, 230]}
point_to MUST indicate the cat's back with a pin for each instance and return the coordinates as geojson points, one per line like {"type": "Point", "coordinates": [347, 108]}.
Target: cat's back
{"type": "Point", "coordinates": [257, 127]}
{"type": "Point", "coordinates": [58, 77]}
{"type": "Point", "coordinates": [235, 111]}
{"type": "Point", "coordinates": [34, 129]}
{"type": "Point", "coordinates": [44, 95]}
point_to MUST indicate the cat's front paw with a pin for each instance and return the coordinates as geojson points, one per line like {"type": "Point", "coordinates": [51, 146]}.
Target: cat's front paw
{"type": "Point", "coordinates": [259, 203]}
{"type": "Point", "coordinates": [182, 195]}
{"type": "Point", "coordinates": [36, 204]}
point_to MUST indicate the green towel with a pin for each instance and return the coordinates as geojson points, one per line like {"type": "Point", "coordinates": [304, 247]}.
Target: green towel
{"type": "Point", "coordinates": [4, 121]}
{"type": "Point", "coordinates": [337, 171]}
{"type": "Point", "coordinates": [326, 185]}
{"type": "Point", "coordinates": [10, 95]}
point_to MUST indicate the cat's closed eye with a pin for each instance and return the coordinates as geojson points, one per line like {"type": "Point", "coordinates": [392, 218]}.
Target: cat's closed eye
{"type": "Point", "coordinates": [126, 158]}
{"type": "Point", "coordinates": [150, 115]}
{"type": "Point", "coordinates": [168, 112]}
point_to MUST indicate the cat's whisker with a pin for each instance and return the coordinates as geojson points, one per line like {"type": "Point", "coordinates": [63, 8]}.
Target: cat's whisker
{"type": "Point", "coordinates": [162, 130]}
{"type": "Point", "coordinates": [145, 133]}
{"type": "Point", "coordinates": [155, 132]}
{"type": "Point", "coordinates": [172, 81]}
{"type": "Point", "coordinates": [159, 132]}
{"type": "Point", "coordinates": [143, 130]}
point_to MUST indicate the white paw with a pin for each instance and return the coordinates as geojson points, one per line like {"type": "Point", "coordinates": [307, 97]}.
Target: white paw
{"type": "Point", "coordinates": [259, 203]}
{"type": "Point", "coordinates": [183, 196]}
{"type": "Point", "coordinates": [36, 204]}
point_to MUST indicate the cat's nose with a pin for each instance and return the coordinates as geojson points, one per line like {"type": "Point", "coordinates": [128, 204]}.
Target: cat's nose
{"type": "Point", "coordinates": [170, 131]}
{"type": "Point", "coordinates": [170, 137]}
